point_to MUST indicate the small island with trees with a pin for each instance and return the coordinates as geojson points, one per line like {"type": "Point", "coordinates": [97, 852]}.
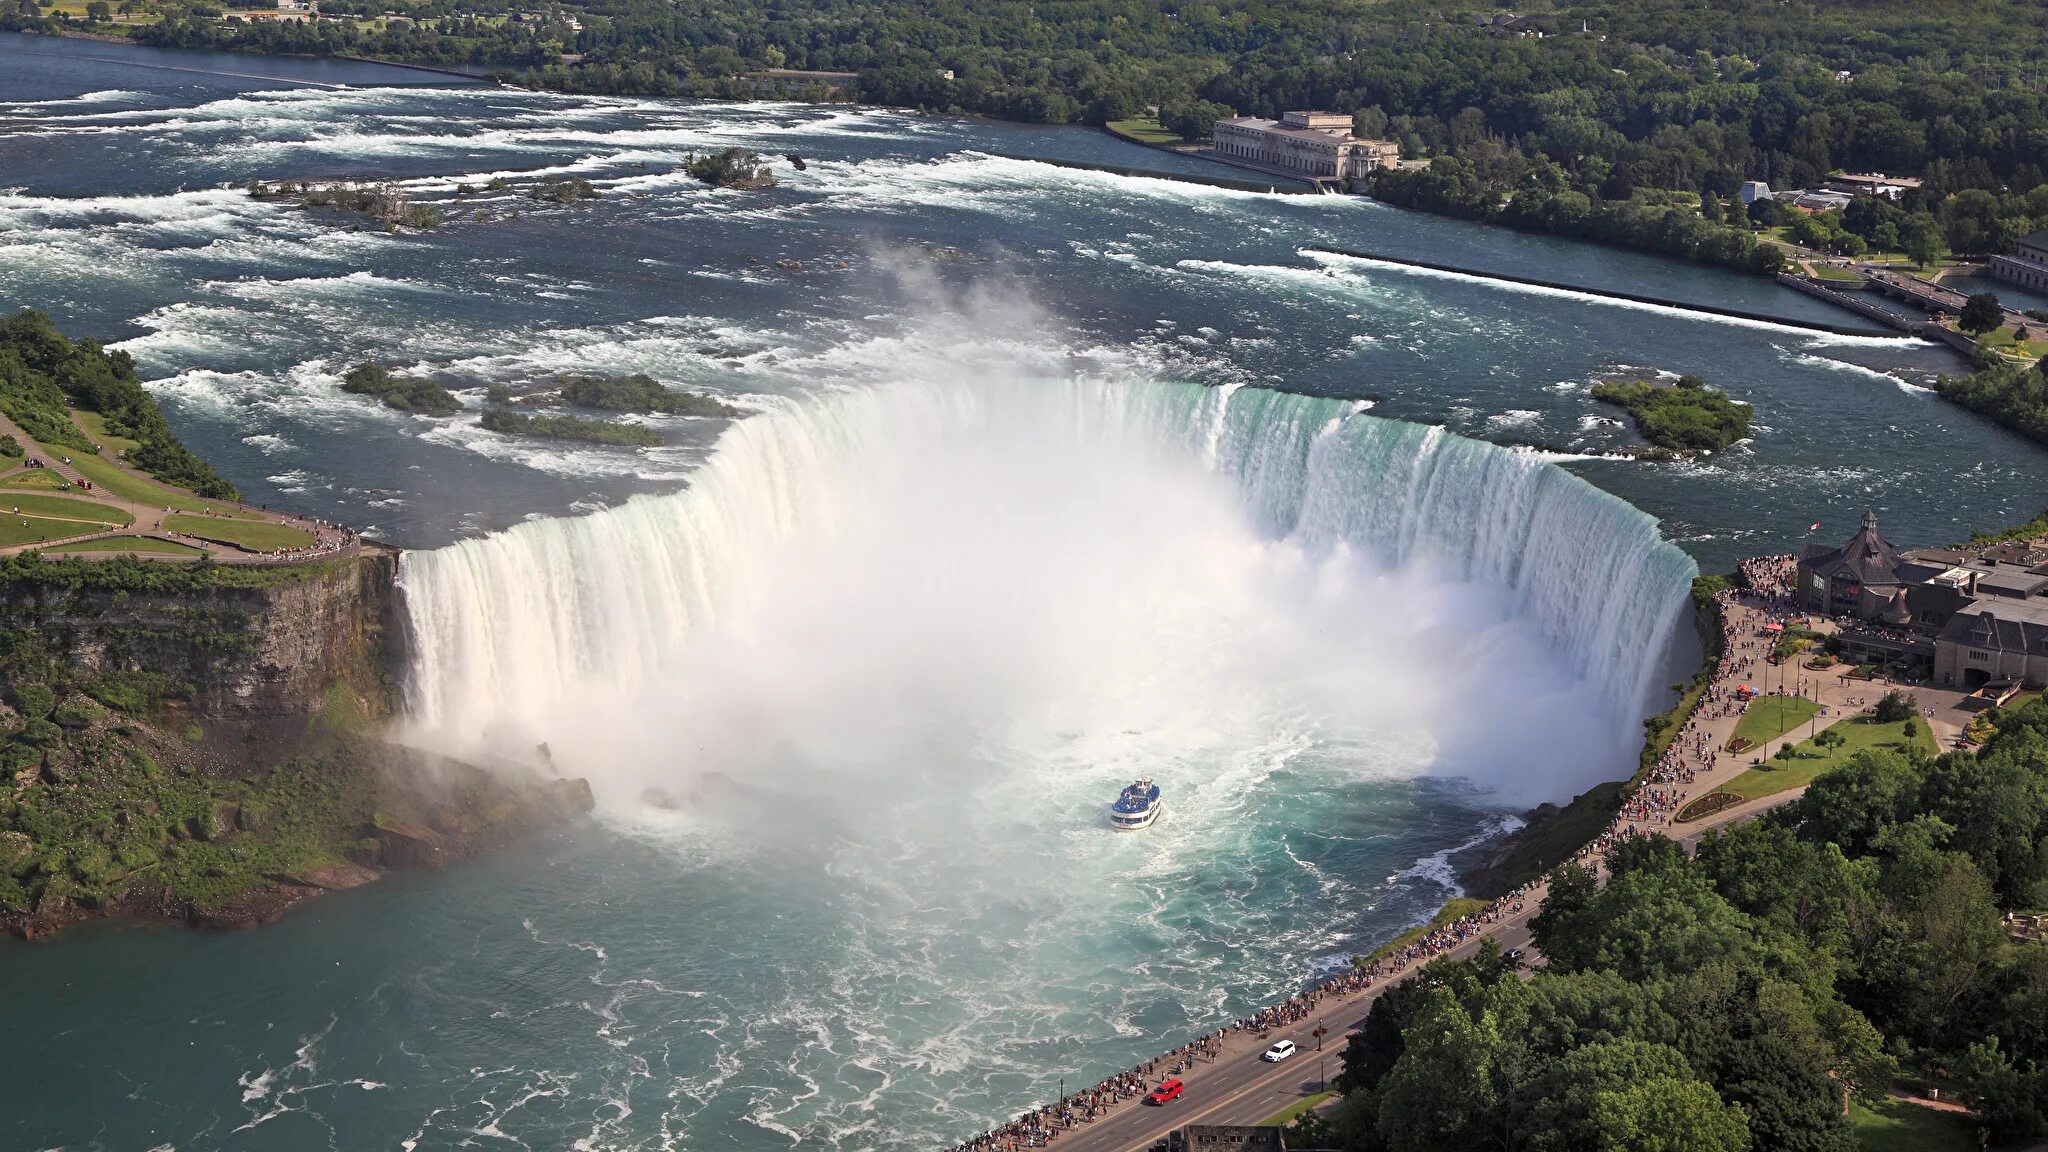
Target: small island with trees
{"type": "Point", "coordinates": [1680, 418]}
{"type": "Point", "coordinates": [740, 168]}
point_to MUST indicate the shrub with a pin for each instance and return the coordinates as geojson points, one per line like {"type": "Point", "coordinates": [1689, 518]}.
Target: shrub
{"type": "Point", "coordinates": [1893, 707]}
{"type": "Point", "coordinates": [34, 700]}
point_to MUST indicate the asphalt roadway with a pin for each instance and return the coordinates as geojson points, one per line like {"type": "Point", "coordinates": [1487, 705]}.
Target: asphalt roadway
{"type": "Point", "coordinates": [1240, 1088]}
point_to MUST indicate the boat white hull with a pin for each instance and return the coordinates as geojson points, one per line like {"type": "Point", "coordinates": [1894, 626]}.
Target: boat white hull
{"type": "Point", "coordinates": [1133, 823]}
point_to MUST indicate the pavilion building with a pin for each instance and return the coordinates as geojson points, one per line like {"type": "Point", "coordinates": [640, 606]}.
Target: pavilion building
{"type": "Point", "coordinates": [1966, 617]}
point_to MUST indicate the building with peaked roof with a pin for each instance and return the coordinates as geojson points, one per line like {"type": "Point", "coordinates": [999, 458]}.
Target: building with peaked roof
{"type": "Point", "coordinates": [1965, 616]}
{"type": "Point", "coordinates": [2027, 264]}
{"type": "Point", "coordinates": [1859, 578]}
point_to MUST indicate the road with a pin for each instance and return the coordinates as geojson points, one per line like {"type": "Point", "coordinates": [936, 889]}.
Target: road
{"type": "Point", "coordinates": [1240, 1088]}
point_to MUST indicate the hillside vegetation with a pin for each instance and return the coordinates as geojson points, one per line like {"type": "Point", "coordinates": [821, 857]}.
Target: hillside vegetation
{"type": "Point", "coordinates": [43, 373]}
{"type": "Point", "coordinates": [1729, 1002]}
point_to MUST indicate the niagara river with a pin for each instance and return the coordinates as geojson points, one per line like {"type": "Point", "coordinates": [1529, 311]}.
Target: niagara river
{"type": "Point", "coordinates": [1044, 479]}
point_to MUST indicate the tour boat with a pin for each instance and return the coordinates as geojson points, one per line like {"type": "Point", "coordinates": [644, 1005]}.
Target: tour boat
{"type": "Point", "coordinates": [1137, 808]}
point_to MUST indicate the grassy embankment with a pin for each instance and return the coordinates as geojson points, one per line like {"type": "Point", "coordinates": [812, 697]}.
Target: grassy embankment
{"type": "Point", "coordinates": [1810, 758]}
{"type": "Point", "coordinates": [1146, 130]}
{"type": "Point", "coordinates": [1455, 908]}
{"type": "Point", "coordinates": [127, 544]}
{"type": "Point", "coordinates": [1553, 835]}
{"type": "Point", "coordinates": [1288, 1114]}
{"type": "Point", "coordinates": [254, 535]}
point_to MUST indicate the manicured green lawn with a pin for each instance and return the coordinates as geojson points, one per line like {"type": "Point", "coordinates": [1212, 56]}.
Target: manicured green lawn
{"type": "Point", "coordinates": [1145, 130]}
{"type": "Point", "coordinates": [1826, 272]}
{"type": "Point", "coordinates": [2002, 340]}
{"type": "Point", "coordinates": [62, 508]}
{"type": "Point", "coordinates": [106, 474]}
{"type": "Point", "coordinates": [36, 530]}
{"type": "Point", "coordinates": [1896, 1126]}
{"type": "Point", "coordinates": [1769, 717]}
{"type": "Point", "coordinates": [258, 536]}
{"type": "Point", "coordinates": [1286, 1115]}
{"type": "Point", "coordinates": [129, 544]}
{"type": "Point", "coordinates": [1862, 734]}
{"type": "Point", "coordinates": [36, 478]}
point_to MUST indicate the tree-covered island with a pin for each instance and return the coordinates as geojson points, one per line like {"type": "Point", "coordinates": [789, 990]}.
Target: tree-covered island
{"type": "Point", "coordinates": [1682, 417]}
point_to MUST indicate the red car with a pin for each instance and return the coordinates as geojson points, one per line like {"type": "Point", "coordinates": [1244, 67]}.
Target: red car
{"type": "Point", "coordinates": [1167, 1090]}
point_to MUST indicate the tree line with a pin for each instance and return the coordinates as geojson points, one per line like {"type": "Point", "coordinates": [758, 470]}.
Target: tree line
{"type": "Point", "coordinates": [1737, 1000]}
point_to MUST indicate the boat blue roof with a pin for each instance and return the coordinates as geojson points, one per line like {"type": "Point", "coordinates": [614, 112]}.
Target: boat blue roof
{"type": "Point", "coordinates": [1135, 799]}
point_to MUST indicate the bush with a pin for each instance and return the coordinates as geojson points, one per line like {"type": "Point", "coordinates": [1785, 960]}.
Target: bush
{"type": "Point", "coordinates": [34, 700]}
{"type": "Point", "coordinates": [1893, 707]}
{"type": "Point", "coordinates": [405, 393]}
{"type": "Point", "coordinates": [639, 393]}
{"type": "Point", "coordinates": [571, 428]}
{"type": "Point", "coordinates": [732, 168]}
{"type": "Point", "coordinates": [1685, 417]}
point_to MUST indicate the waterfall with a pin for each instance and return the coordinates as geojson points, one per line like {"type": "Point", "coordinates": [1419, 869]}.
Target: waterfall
{"type": "Point", "coordinates": [511, 624]}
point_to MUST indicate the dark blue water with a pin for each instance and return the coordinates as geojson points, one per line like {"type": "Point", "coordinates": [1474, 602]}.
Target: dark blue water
{"type": "Point", "coordinates": [764, 968]}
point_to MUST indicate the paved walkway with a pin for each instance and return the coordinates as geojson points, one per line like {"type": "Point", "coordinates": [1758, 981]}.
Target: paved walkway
{"type": "Point", "coordinates": [146, 520]}
{"type": "Point", "coordinates": [1236, 1087]}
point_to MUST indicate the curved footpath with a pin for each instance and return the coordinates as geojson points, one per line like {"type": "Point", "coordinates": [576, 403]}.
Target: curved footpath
{"type": "Point", "coordinates": [1229, 1084]}
{"type": "Point", "coordinates": [146, 520]}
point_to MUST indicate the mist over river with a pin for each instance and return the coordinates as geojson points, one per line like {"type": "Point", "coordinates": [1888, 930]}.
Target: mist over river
{"type": "Point", "coordinates": [1051, 478]}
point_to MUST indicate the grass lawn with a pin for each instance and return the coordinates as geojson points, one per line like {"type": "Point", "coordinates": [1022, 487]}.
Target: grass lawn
{"type": "Point", "coordinates": [1286, 1115]}
{"type": "Point", "coordinates": [1769, 717]}
{"type": "Point", "coordinates": [1145, 130]}
{"type": "Point", "coordinates": [1862, 734]}
{"type": "Point", "coordinates": [106, 474]}
{"type": "Point", "coordinates": [36, 530]}
{"type": "Point", "coordinates": [62, 508]}
{"type": "Point", "coordinates": [1896, 1126]}
{"type": "Point", "coordinates": [96, 427]}
{"type": "Point", "coordinates": [129, 544]}
{"type": "Point", "coordinates": [1825, 272]}
{"type": "Point", "coordinates": [36, 478]}
{"type": "Point", "coordinates": [2003, 341]}
{"type": "Point", "coordinates": [256, 536]}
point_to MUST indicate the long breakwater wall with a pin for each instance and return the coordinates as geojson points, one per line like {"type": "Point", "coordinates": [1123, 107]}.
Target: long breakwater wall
{"type": "Point", "coordinates": [1632, 297]}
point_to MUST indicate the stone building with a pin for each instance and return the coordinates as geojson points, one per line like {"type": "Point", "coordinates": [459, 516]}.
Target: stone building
{"type": "Point", "coordinates": [2027, 264]}
{"type": "Point", "coordinates": [1311, 145]}
{"type": "Point", "coordinates": [1964, 616]}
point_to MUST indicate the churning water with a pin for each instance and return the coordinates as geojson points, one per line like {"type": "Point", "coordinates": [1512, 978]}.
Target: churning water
{"type": "Point", "coordinates": [1051, 479]}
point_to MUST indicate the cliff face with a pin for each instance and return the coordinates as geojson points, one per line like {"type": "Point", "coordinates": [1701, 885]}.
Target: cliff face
{"type": "Point", "coordinates": [208, 744]}
{"type": "Point", "coordinates": [273, 650]}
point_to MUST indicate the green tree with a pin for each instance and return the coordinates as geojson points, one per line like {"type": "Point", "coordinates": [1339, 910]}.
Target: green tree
{"type": "Point", "coordinates": [1668, 1114]}
{"type": "Point", "coordinates": [1981, 314]}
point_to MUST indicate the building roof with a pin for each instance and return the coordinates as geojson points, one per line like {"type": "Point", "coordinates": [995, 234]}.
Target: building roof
{"type": "Point", "coordinates": [2035, 240]}
{"type": "Point", "coordinates": [1275, 128]}
{"type": "Point", "coordinates": [2002, 626]}
{"type": "Point", "coordinates": [1866, 557]}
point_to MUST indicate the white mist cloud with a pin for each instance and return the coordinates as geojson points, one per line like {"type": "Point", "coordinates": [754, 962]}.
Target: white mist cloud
{"type": "Point", "coordinates": [975, 587]}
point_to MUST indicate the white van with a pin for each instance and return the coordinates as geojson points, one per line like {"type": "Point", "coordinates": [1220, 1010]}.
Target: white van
{"type": "Point", "coordinates": [1278, 1052]}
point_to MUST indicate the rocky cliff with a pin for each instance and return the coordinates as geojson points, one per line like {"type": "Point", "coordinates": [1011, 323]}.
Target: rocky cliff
{"type": "Point", "coordinates": [271, 642]}
{"type": "Point", "coordinates": [208, 743]}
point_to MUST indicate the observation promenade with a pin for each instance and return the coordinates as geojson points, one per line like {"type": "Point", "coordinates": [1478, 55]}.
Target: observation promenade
{"type": "Point", "coordinates": [1226, 1081]}
{"type": "Point", "coordinates": [164, 522]}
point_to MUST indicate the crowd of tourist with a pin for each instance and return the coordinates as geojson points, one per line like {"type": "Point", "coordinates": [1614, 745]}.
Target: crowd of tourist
{"type": "Point", "coordinates": [1042, 1126]}
{"type": "Point", "coordinates": [1664, 789]}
